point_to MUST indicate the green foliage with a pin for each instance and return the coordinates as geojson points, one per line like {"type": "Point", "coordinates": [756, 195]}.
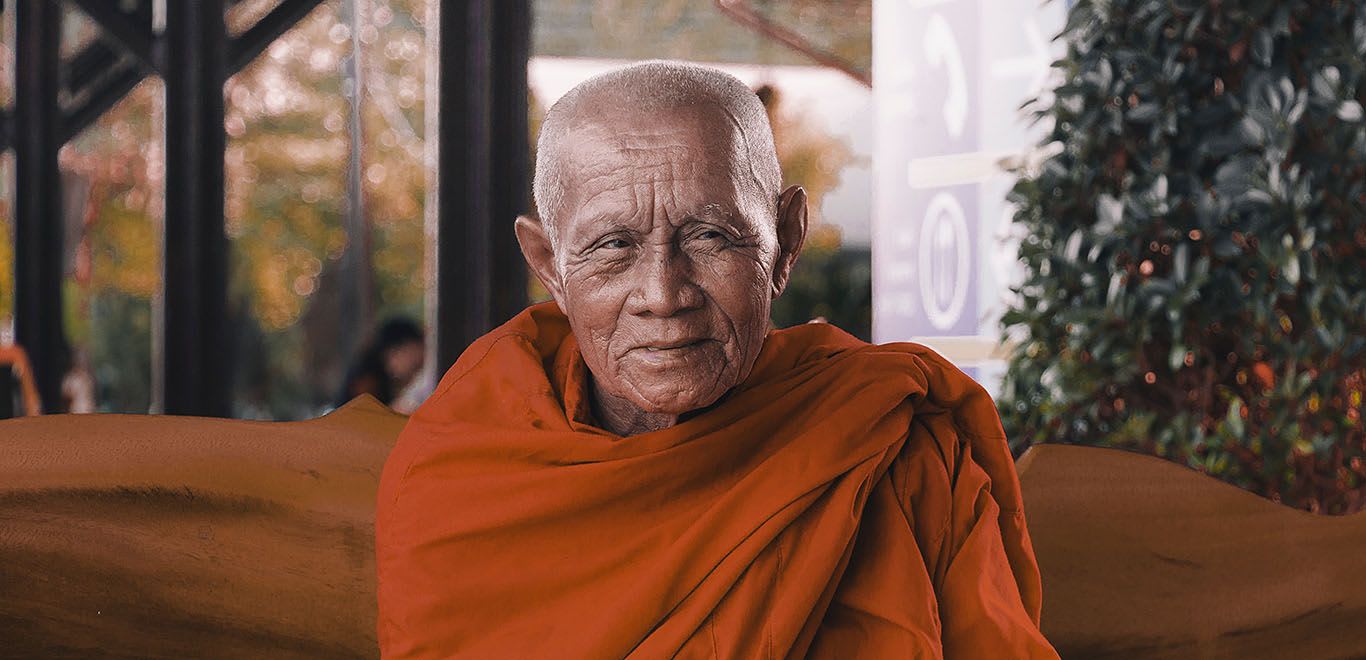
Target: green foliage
{"type": "Point", "coordinates": [1196, 245]}
{"type": "Point", "coordinates": [831, 283]}
{"type": "Point", "coordinates": [121, 354]}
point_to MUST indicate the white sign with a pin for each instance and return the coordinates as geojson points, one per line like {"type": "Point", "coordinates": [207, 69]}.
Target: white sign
{"type": "Point", "coordinates": [944, 261]}
{"type": "Point", "coordinates": [949, 77]}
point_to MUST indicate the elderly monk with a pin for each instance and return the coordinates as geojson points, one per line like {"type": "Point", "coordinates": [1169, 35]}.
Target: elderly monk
{"type": "Point", "coordinates": [644, 469]}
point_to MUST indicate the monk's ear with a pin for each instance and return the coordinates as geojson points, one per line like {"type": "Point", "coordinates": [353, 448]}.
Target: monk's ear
{"type": "Point", "coordinates": [539, 254]}
{"type": "Point", "coordinates": [791, 235]}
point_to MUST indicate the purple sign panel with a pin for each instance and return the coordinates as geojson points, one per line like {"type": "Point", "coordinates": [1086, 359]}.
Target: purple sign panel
{"type": "Point", "coordinates": [925, 254]}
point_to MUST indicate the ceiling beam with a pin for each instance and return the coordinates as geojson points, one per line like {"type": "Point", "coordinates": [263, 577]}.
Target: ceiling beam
{"type": "Point", "coordinates": [137, 40]}
{"type": "Point", "coordinates": [246, 46]}
{"type": "Point", "coordinates": [743, 13]}
{"type": "Point", "coordinates": [107, 92]}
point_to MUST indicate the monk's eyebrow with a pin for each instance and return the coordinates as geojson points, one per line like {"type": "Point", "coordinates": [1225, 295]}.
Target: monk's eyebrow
{"type": "Point", "coordinates": [601, 220]}
{"type": "Point", "coordinates": [713, 212]}
{"type": "Point", "coordinates": [596, 228]}
{"type": "Point", "coordinates": [723, 215]}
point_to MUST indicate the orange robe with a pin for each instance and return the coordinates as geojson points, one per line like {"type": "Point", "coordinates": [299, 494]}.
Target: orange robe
{"type": "Point", "coordinates": [846, 501]}
{"type": "Point", "coordinates": [17, 360]}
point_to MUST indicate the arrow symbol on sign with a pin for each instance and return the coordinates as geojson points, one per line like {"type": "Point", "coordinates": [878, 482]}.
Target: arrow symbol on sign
{"type": "Point", "coordinates": [941, 49]}
{"type": "Point", "coordinates": [1034, 64]}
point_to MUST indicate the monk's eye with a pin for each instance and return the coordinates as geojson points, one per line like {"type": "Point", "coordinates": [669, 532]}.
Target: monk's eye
{"type": "Point", "coordinates": [613, 244]}
{"type": "Point", "coordinates": [710, 236]}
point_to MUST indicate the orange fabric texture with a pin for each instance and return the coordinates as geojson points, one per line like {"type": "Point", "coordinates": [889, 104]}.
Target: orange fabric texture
{"type": "Point", "coordinates": [847, 500]}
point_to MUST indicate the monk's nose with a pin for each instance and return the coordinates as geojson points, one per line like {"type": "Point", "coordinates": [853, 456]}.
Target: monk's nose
{"type": "Point", "coordinates": [665, 286]}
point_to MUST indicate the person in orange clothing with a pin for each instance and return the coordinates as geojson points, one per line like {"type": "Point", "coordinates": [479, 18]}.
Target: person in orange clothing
{"type": "Point", "coordinates": [15, 363]}
{"type": "Point", "coordinates": [643, 469]}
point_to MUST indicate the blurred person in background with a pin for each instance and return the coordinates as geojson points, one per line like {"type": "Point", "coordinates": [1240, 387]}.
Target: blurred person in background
{"type": "Point", "coordinates": [78, 385]}
{"type": "Point", "coordinates": [388, 365]}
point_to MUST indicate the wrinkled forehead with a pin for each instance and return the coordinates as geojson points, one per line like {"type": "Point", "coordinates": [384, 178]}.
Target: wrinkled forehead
{"type": "Point", "coordinates": [698, 146]}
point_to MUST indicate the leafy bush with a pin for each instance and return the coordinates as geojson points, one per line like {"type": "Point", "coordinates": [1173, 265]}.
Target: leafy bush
{"type": "Point", "coordinates": [1195, 258]}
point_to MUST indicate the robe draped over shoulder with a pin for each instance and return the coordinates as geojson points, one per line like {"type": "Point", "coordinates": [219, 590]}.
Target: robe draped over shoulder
{"type": "Point", "coordinates": [846, 500]}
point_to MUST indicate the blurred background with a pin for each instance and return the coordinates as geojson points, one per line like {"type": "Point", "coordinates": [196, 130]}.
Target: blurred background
{"type": "Point", "coordinates": [325, 189]}
{"type": "Point", "coordinates": [1136, 223]}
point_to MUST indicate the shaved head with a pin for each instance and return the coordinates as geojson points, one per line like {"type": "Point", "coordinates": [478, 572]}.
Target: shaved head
{"type": "Point", "coordinates": [662, 236]}
{"type": "Point", "coordinates": [665, 90]}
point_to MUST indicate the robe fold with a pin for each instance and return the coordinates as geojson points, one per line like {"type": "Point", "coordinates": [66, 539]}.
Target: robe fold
{"type": "Point", "coordinates": [846, 500]}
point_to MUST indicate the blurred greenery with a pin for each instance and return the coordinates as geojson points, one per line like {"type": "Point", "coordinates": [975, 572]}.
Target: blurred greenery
{"type": "Point", "coordinates": [831, 282]}
{"type": "Point", "coordinates": [288, 118]}
{"type": "Point", "coordinates": [1196, 245]}
{"type": "Point", "coordinates": [113, 239]}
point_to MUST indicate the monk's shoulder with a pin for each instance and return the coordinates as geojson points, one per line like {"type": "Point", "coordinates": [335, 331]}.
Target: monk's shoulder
{"type": "Point", "coordinates": [502, 354]}
{"type": "Point", "coordinates": [485, 387]}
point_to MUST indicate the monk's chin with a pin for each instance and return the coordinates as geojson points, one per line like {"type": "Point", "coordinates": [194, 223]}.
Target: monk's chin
{"type": "Point", "coordinates": [673, 403]}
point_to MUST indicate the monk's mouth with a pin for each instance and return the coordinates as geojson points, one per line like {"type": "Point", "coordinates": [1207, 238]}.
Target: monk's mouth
{"type": "Point", "coordinates": [670, 349]}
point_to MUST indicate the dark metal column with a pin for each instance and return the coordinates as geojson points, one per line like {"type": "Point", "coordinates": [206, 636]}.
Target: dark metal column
{"type": "Point", "coordinates": [196, 366]}
{"type": "Point", "coordinates": [38, 240]}
{"type": "Point", "coordinates": [481, 51]}
{"type": "Point", "coordinates": [511, 154]}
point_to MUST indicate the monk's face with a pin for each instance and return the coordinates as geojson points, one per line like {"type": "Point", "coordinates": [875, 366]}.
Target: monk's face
{"type": "Point", "coordinates": [667, 257]}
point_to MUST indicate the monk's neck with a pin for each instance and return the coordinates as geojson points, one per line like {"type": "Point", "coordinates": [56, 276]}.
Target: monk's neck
{"type": "Point", "coordinates": [623, 417]}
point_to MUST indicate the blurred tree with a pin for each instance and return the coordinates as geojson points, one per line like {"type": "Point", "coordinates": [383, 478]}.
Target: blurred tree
{"type": "Point", "coordinates": [286, 195]}
{"type": "Point", "coordinates": [1196, 245]}
{"type": "Point", "coordinates": [830, 282]}
{"type": "Point", "coordinates": [285, 170]}
{"type": "Point", "coordinates": [115, 262]}
{"type": "Point", "coordinates": [285, 192]}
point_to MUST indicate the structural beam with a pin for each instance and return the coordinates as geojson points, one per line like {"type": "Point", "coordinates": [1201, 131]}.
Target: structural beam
{"type": "Point", "coordinates": [6, 130]}
{"type": "Point", "coordinates": [195, 365]}
{"type": "Point", "coordinates": [479, 69]}
{"type": "Point", "coordinates": [743, 13]}
{"type": "Point", "coordinates": [136, 39]}
{"type": "Point", "coordinates": [194, 57]}
{"type": "Point", "coordinates": [38, 239]}
{"type": "Point", "coordinates": [254, 41]}
{"type": "Point", "coordinates": [91, 64]}
{"type": "Point", "coordinates": [99, 98]}
{"type": "Point", "coordinates": [98, 77]}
